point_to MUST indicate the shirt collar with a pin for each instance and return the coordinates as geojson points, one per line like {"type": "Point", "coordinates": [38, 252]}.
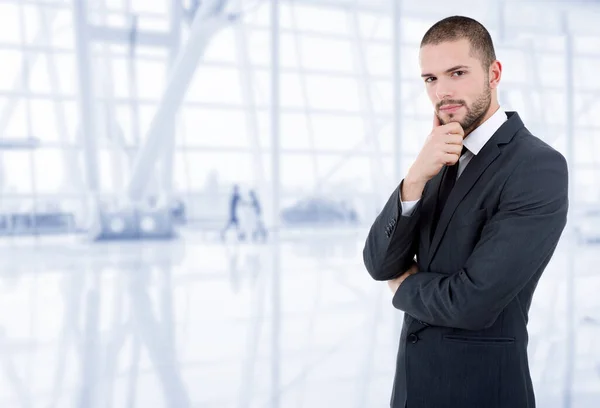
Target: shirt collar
{"type": "Point", "coordinates": [484, 132]}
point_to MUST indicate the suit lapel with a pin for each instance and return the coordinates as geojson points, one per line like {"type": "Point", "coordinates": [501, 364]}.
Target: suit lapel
{"type": "Point", "coordinates": [465, 182]}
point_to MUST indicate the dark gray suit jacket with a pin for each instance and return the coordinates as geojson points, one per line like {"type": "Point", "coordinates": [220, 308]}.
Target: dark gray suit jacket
{"type": "Point", "coordinates": [464, 338]}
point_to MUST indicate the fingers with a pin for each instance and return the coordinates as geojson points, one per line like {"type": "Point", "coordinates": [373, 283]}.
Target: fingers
{"type": "Point", "coordinates": [453, 127]}
{"type": "Point", "coordinates": [450, 159]}
{"type": "Point", "coordinates": [414, 268]}
{"type": "Point", "coordinates": [449, 133]}
{"type": "Point", "coordinates": [453, 149]}
{"type": "Point", "coordinates": [453, 139]}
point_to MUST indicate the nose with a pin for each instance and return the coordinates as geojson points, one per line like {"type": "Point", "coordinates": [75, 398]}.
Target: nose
{"type": "Point", "coordinates": [443, 93]}
{"type": "Point", "coordinates": [443, 90]}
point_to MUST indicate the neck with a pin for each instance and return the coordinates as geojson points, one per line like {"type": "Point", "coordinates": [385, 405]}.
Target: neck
{"type": "Point", "coordinates": [494, 106]}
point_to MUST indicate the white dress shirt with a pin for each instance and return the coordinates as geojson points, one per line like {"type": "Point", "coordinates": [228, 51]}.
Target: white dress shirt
{"type": "Point", "coordinates": [474, 142]}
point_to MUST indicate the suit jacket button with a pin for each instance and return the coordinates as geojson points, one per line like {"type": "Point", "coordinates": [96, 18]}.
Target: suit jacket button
{"type": "Point", "coordinates": [413, 338]}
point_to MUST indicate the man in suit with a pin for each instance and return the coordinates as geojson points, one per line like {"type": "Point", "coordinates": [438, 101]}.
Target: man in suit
{"type": "Point", "coordinates": [482, 209]}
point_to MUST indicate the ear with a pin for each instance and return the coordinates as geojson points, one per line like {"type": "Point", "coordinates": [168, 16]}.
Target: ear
{"type": "Point", "coordinates": [494, 74]}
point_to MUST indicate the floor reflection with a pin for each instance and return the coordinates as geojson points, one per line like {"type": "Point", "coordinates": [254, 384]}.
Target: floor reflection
{"type": "Point", "coordinates": [196, 322]}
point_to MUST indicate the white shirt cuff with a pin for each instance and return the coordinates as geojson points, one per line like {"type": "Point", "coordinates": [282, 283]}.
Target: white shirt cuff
{"type": "Point", "coordinates": [408, 207]}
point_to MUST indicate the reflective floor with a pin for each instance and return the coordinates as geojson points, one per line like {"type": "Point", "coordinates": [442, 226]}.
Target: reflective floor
{"type": "Point", "coordinates": [198, 323]}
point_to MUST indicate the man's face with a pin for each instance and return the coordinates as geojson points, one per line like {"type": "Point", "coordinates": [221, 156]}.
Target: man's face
{"type": "Point", "coordinates": [456, 83]}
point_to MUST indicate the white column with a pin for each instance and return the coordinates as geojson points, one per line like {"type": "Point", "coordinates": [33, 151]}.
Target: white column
{"type": "Point", "coordinates": [397, 84]}
{"type": "Point", "coordinates": [571, 335]}
{"type": "Point", "coordinates": [86, 111]}
{"type": "Point", "coordinates": [275, 208]}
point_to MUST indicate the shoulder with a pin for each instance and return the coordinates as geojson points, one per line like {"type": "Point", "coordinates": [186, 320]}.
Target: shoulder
{"type": "Point", "coordinates": [538, 174]}
{"type": "Point", "coordinates": [530, 152]}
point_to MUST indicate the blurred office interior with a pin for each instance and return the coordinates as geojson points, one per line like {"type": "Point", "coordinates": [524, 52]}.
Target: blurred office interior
{"type": "Point", "coordinates": [186, 187]}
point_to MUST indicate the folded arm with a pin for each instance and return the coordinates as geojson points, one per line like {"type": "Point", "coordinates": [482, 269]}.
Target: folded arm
{"type": "Point", "coordinates": [515, 244]}
{"type": "Point", "coordinates": [392, 241]}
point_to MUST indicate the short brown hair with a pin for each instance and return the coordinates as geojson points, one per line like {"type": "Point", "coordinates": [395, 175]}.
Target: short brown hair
{"type": "Point", "coordinates": [459, 27]}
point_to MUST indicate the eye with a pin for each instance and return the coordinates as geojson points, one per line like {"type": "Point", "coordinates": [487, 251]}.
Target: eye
{"type": "Point", "coordinates": [429, 79]}
{"type": "Point", "coordinates": [459, 73]}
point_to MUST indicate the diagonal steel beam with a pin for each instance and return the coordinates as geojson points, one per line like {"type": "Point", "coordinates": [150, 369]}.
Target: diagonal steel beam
{"type": "Point", "coordinates": [166, 170]}
{"type": "Point", "coordinates": [202, 30]}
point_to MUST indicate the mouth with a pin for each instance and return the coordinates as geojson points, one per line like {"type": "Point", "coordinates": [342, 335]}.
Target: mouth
{"type": "Point", "coordinates": [450, 108]}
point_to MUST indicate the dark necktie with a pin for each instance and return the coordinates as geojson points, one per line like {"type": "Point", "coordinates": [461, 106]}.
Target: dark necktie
{"type": "Point", "coordinates": [446, 185]}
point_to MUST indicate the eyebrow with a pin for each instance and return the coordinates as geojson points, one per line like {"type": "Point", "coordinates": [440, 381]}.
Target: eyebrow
{"type": "Point", "coordinates": [447, 71]}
